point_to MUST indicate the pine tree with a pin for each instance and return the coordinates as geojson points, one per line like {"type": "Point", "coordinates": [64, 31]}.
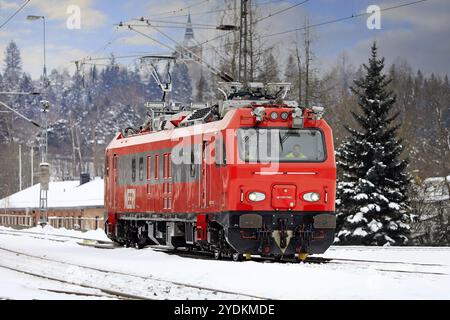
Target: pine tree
{"type": "Point", "coordinates": [13, 65]}
{"type": "Point", "coordinates": [269, 71]}
{"type": "Point", "coordinates": [372, 191]}
{"type": "Point", "coordinates": [182, 84]}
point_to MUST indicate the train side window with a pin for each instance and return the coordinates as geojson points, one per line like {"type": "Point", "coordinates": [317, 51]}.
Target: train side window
{"type": "Point", "coordinates": [156, 166]}
{"type": "Point", "coordinates": [169, 166]}
{"type": "Point", "coordinates": [149, 167]}
{"type": "Point", "coordinates": [192, 162]}
{"type": "Point", "coordinates": [166, 166]}
{"type": "Point", "coordinates": [133, 170]}
{"type": "Point", "coordinates": [141, 169]}
{"type": "Point", "coordinates": [106, 166]}
{"type": "Point", "coordinates": [220, 151]}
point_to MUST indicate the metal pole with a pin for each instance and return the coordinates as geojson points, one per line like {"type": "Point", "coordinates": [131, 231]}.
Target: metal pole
{"type": "Point", "coordinates": [45, 56]}
{"type": "Point", "coordinates": [32, 166]}
{"type": "Point", "coordinates": [44, 166]}
{"type": "Point", "coordinates": [20, 167]}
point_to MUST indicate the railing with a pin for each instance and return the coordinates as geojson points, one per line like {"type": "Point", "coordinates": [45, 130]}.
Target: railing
{"type": "Point", "coordinates": [16, 220]}
{"type": "Point", "coordinates": [76, 223]}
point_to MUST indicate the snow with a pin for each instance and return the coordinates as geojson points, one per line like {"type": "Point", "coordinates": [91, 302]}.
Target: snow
{"type": "Point", "coordinates": [394, 279]}
{"type": "Point", "coordinates": [19, 286]}
{"type": "Point", "coordinates": [394, 206]}
{"type": "Point", "coordinates": [61, 194]}
{"type": "Point", "coordinates": [359, 232]}
{"type": "Point", "coordinates": [356, 218]}
{"type": "Point", "coordinates": [375, 225]}
{"type": "Point", "coordinates": [361, 196]}
{"type": "Point", "coordinates": [48, 230]}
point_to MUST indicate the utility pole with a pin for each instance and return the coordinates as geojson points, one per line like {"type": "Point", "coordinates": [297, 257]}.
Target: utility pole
{"type": "Point", "coordinates": [44, 166]}
{"type": "Point", "coordinates": [43, 142]}
{"type": "Point", "coordinates": [20, 167]}
{"type": "Point", "coordinates": [32, 165]}
{"type": "Point", "coordinates": [250, 39]}
{"type": "Point", "coordinates": [243, 43]}
{"type": "Point", "coordinates": [307, 60]}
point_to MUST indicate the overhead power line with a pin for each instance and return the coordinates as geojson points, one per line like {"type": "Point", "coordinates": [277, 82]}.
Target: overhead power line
{"type": "Point", "coordinates": [181, 9]}
{"type": "Point", "coordinates": [15, 13]}
{"type": "Point", "coordinates": [214, 10]}
{"type": "Point", "coordinates": [259, 20]}
{"type": "Point", "coordinates": [328, 22]}
{"type": "Point", "coordinates": [343, 19]}
{"type": "Point", "coordinates": [281, 11]}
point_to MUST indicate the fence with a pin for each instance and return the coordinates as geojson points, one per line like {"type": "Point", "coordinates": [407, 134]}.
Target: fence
{"type": "Point", "coordinates": [75, 223]}
{"type": "Point", "coordinates": [16, 220]}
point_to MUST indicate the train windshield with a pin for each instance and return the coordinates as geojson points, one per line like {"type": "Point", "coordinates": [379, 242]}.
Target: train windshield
{"type": "Point", "coordinates": [280, 145]}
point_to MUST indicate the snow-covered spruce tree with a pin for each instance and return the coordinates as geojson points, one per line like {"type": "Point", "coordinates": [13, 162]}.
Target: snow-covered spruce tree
{"type": "Point", "coordinates": [373, 184]}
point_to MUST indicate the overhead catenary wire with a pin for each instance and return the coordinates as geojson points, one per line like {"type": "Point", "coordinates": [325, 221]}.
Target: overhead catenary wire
{"type": "Point", "coordinates": [258, 20]}
{"type": "Point", "coordinates": [177, 22]}
{"type": "Point", "coordinates": [328, 22]}
{"type": "Point", "coordinates": [281, 11]}
{"type": "Point", "coordinates": [181, 9]}
{"type": "Point", "coordinates": [197, 59]}
{"type": "Point", "coordinates": [14, 14]}
{"type": "Point", "coordinates": [362, 14]}
{"type": "Point", "coordinates": [172, 27]}
{"type": "Point", "coordinates": [214, 11]}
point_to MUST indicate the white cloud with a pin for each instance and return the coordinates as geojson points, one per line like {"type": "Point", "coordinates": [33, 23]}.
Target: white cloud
{"type": "Point", "coordinates": [57, 10]}
{"type": "Point", "coordinates": [8, 5]}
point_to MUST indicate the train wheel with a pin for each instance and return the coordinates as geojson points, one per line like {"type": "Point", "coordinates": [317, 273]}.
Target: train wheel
{"type": "Point", "coordinates": [217, 254]}
{"type": "Point", "coordinates": [236, 257]}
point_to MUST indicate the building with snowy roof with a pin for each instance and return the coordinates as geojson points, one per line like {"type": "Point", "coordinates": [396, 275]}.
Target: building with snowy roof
{"type": "Point", "coordinates": [431, 206]}
{"type": "Point", "coordinates": [70, 204]}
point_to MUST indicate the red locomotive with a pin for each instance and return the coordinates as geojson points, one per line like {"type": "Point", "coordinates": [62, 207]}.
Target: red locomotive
{"type": "Point", "coordinates": [253, 174]}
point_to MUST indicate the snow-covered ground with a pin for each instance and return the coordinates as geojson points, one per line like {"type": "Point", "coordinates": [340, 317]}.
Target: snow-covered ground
{"type": "Point", "coordinates": [398, 273]}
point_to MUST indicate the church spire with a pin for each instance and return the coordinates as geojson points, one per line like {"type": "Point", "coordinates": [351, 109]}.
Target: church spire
{"type": "Point", "coordinates": [189, 30]}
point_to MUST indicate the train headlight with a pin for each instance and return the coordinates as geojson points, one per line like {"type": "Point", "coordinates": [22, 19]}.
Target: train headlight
{"type": "Point", "coordinates": [284, 116]}
{"type": "Point", "coordinates": [311, 197]}
{"type": "Point", "coordinates": [274, 115]}
{"type": "Point", "coordinates": [256, 196]}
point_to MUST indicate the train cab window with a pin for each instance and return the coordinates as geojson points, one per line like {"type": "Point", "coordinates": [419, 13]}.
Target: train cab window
{"type": "Point", "coordinates": [149, 167]}
{"type": "Point", "coordinates": [133, 170]}
{"type": "Point", "coordinates": [141, 169]}
{"type": "Point", "coordinates": [156, 166]}
{"type": "Point", "coordinates": [281, 145]}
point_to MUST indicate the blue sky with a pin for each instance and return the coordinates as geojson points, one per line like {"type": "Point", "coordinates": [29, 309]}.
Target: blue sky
{"type": "Point", "coordinates": [419, 33]}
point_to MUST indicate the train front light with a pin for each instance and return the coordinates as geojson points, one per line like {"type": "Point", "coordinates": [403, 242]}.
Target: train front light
{"type": "Point", "coordinates": [311, 197]}
{"type": "Point", "coordinates": [256, 196]}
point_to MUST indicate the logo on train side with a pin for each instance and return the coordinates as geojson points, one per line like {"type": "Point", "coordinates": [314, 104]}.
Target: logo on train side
{"type": "Point", "coordinates": [130, 199]}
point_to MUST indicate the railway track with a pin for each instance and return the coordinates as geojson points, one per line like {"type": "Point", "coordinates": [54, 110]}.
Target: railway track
{"type": "Point", "coordinates": [40, 235]}
{"type": "Point", "coordinates": [107, 292]}
{"type": "Point", "coordinates": [162, 289]}
{"type": "Point", "coordinates": [360, 263]}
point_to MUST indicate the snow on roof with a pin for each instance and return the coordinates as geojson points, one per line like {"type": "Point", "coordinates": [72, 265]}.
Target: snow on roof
{"type": "Point", "coordinates": [436, 188]}
{"type": "Point", "coordinates": [61, 194]}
